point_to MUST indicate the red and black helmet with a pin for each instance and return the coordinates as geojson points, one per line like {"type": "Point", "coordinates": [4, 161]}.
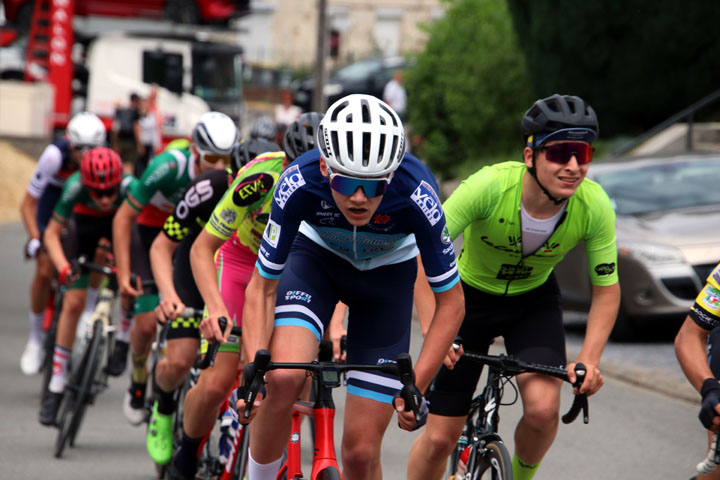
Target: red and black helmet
{"type": "Point", "coordinates": [101, 168]}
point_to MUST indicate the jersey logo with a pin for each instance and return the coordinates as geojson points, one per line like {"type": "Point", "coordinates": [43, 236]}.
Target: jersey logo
{"type": "Point", "coordinates": [711, 298]}
{"type": "Point", "coordinates": [289, 181]}
{"type": "Point", "coordinates": [228, 215]}
{"type": "Point", "coordinates": [272, 233]}
{"type": "Point", "coordinates": [605, 269]}
{"type": "Point", "coordinates": [381, 219]}
{"type": "Point", "coordinates": [252, 188]}
{"type": "Point", "coordinates": [426, 198]}
{"type": "Point", "coordinates": [325, 205]}
{"type": "Point", "coordinates": [514, 272]}
{"type": "Point", "coordinates": [716, 274]}
{"type": "Point", "coordinates": [195, 195]}
{"type": "Point", "coordinates": [445, 237]}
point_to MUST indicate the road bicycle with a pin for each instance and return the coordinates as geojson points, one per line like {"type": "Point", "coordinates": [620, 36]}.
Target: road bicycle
{"type": "Point", "coordinates": [480, 452]}
{"type": "Point", "coordinates": [328, 376]}
{"type": "Point", "coordinates": [87, 378]}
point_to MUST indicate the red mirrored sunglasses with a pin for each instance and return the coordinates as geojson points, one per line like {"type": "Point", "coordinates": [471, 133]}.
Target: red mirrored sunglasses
{"type": "Point", "coordinates": [563, 152]}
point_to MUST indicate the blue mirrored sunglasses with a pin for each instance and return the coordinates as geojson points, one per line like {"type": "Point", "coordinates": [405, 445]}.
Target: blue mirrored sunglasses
{"type": "Point", "coordinates": [349, 185]}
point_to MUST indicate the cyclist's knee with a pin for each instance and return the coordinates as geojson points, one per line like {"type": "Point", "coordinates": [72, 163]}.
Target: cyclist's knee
{"type": "Point", "coordinates": [361, 456]}
{"type": "Point", "coordinates": [73, 305]}
{"type": "Point", "coordinates": [145, 325]}
{"type": "Point", "coordinates": [283, 386]}
{"type": "Point", "coordinates": [438, 443]}
{"type": "Point", "coordinates": [217, 389]}
{"type": "Point", "coordinates": [179, 365]}
{"type": "Point", "coordinates": [541, 414]}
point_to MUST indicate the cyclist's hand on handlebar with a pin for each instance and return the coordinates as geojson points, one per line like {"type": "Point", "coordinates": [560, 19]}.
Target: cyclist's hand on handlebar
{"type": "Point", "coordinates": [210, 328]}
{"type": "Point", "coordinates": [32, 247]}
{"type": "Point", "coordinates": [127, 288]}
{"type": "Point", "coordinates": [68, 274]}
{"type": "Point", "coordinates": [336, 335]}
{"type": "Point", "coordinates": [710, 409]}
{"type": "Point", "coordinates": [169, 308]}
{"type": "Point", "coordinates": [406, 420]}
{"type": "Point", "coordinates": [593, 378]}
{"type": "Point", "coordinates": [453, 355]}
{"type": "Point", "coordinates": [240, 405]}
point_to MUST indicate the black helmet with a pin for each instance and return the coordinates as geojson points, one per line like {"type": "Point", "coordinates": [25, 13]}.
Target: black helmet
{"type": "Point", "coordinates": [263, 127]}
{"type": "Point", "coordinates": [300, 135]}
{"type": "Point", "coordinates": [249, 149]}
{"type": "Point", "coordinates": [560, 113]}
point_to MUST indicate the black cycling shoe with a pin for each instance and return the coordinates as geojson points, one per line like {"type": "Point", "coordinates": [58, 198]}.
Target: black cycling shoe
{"type": "Point", "coordinates": [175, 474]}
{"type": "Point", "coordinates": [49, 409]}
{"type": "Point", "coordinates": [118, 359]}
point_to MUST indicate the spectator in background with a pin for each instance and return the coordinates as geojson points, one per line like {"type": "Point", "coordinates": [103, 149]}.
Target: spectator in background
{"type": "Point", "coordinates": [395, 95]}
{"type": "Point", "coordinates": [123, 132]}
{"type": "Point", "coordinates": [153, 107]}
{"type": "Point", "coordinates": [147, 136]}
{"type": "Point", "coordinates": [285, 114]}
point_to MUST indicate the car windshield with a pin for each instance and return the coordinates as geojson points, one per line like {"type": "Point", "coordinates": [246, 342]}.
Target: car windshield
{"type": "Point", "coordinates": [358, 70]}
{"type": "Point", "coordinates": [217, 76]}
{"type": "Point", "coordinates": [663, 186]}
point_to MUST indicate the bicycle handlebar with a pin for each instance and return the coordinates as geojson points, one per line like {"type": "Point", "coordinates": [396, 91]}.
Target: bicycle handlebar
{"type": "Point", "coordinates": [512, 366]}
{"type": "Point", "coordinates": [213, 346]}
{"type": "Point", "coordinates": [712, 460]}
{"type": "Point", "coordinates": [255, 372]}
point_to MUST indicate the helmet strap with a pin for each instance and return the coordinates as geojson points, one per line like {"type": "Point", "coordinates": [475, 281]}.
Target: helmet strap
{"type": "Point", "coordinates": [533, 173]}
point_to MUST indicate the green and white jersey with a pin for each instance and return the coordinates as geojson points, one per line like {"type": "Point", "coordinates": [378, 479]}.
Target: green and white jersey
{"type": "Point", "coordinates": [161, 186]}
{"type": "Point", "coordinates": [486, 207]}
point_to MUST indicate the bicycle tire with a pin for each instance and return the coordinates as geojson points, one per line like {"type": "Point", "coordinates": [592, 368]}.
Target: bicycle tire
{"type": "Point", "coordinates": [329, 473]}
{"type": "Point", "coordinates": [68, 404]}
{"type": "Point", "coordinates": [85, 392]}
{"type": "Point", "coordinates": [49, 347]}
{"type": "Point", "coordinates": [492, 462]}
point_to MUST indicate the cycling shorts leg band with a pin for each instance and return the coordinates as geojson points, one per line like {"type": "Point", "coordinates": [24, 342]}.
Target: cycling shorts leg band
{"type": "Point", "coordinates": [82, 283]}
{"type": "Point", "coordinates": [146, 303]}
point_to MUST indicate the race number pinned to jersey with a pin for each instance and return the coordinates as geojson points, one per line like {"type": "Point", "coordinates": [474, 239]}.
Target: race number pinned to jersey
{"type": "Point", "coordinates": [290, 180]}
{"type": "Point", "coordinates": [272, 233]}
{"type": "Point", "coordinates": [426, 198]}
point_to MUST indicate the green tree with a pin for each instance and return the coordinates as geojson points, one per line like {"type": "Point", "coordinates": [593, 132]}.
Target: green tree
{"type": "Point", "coordinates": [636, 62]}
{"type": "Point", "coordinates": [468, 89]}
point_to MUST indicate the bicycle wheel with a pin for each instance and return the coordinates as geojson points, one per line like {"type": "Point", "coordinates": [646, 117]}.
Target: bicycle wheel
{"type": "Point", "coordinates": [493, 462]}
{"type": "Point", "coordinates": [241, 458]}
{"type": "Point", "coordinates": [68, 404]}
{"type": "Point", "coordinates": [49, 347]}
{"type": "Point", "coordinates": [330, 473]}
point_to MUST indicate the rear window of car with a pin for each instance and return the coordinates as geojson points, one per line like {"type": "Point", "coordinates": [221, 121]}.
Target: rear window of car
{"type": "Point", "coordinates": [663, 186]}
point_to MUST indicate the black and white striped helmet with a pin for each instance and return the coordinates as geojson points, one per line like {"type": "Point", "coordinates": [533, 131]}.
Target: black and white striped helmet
{"type": "Point", "coordinates": [215, 133]}
{"type": "Point", "coordinates": [362, 136]}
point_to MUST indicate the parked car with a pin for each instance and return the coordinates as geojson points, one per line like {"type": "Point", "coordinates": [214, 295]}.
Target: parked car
{"type": "Point", "coordinates": [364, 76]}
{"type": "Point", "coordinates": [668, 237]}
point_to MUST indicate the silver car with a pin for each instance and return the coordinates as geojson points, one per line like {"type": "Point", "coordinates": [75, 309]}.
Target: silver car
{"type": "Point", "coordinates": [668, 236]}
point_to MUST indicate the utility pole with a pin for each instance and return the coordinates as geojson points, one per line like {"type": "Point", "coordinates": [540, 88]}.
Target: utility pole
{"type": "Point", "coordinates": [320, 74]}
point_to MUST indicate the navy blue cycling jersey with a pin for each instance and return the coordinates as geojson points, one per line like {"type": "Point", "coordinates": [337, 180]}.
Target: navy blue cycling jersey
{"type": "Point", "coordinates": [409, 219]}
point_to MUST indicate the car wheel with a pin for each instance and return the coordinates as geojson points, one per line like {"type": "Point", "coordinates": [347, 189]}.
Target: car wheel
{"type": "Point", "coordinates": [625, 328]}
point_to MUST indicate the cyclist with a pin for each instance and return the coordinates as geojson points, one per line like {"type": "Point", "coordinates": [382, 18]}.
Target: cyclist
{"type": "Point", "coordinates": [170, 260]}
{"type": "Point", "coordinates": [263, 127]}
{"type": "Point", "coordinates": [696, 347]}
{"type": "Point", "coordinates": [57, 162]}
{"type": "Point", "coordinates": [138, 221]}
{"type": "Point", "coordinates": [86, 207]}
{"type": "Point", "coordinates": [234, 231]}
{"type": "Point", "coordinates": [356, 212]}
{"type": "Point", "coordinates": [519, 220]}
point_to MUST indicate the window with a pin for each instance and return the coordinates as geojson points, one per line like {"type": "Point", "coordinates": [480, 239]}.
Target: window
{"type": "Point", "coordinates": [164, 69]}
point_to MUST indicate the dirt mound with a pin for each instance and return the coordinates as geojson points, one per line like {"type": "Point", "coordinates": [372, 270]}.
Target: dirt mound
{"type": "Point", "coordinates": [16, 168]}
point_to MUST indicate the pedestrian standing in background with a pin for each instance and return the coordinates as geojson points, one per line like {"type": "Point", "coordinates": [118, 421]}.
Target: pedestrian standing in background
{"type": "Point", "coordinates": [395, 95]}
{"type": "Point", "coordinates": [285, 114]}
{"type": "Point", "coordinates": [122, 134]}
{"type": "Point", "coordinates": [147, 136]}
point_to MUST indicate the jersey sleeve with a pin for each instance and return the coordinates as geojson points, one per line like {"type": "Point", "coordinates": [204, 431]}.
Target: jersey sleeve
{"type": "Point", "coordinates": [68, 198]}
{"type": "Point", "coordinates": [433, 237]}
{"type": "Point", "coordinates": [600, 242]}
{"type": "Point", "coordinates": [471, 200]}
{"type": "Point", "coordinates": [162, 169]}
{"type": "Point", "coordinates": [706, 310]}
{"type": "Point", "coordinates": [288, 205]}
{"type": "Point", "coordinates": [48, 165]}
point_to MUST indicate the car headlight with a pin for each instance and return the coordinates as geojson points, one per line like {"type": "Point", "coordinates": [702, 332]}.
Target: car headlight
{"type": "Point", "coordinates": [332, 89]}
{"type": "Point", "coordinates": [651, 253]}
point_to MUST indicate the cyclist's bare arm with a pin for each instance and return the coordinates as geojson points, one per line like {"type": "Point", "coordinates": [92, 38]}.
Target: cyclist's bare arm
{"type": "Point", "coordinates": [690, 349]}
{"type": "Point", "coordinates": [448, 315]}
{"type": "Point", "coordinates": [203, 268]}
{"type": "Point", "coordinates": [122, 225]}
{"type": "Point", "coordinates": [161, 262]}
{"type": "Point", "coordinates": [601, 318]}
{"type": "Point", "coordinates": [258, 313]}
{"type": "Point", "coordinates": [53, 243]}
{"type": "Point", "coordinates": [28, 212]}
{"type": "Point", "coordinates": [336, 329]}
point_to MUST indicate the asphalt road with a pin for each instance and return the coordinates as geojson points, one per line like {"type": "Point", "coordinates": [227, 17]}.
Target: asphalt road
{"type": "Point", "coordinates": [647, 431]}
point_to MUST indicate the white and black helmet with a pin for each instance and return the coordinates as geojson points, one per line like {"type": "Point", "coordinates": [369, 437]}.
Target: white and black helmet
{"type": "Point", "coordinates": [360, 135]}
{"type": "Point", "coordinates": [215, 133]}
{"type": "Point", "coordinates": [85, 129]}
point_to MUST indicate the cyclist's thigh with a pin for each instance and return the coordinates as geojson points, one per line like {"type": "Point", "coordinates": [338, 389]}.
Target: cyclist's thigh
{"type": "Point", "coordinates": [46, 205]}
{"type": "Point", "coordinates": [537, 334]}
{"type": "Point", "coordinates": [365, 423]}
{"type": "Point", "coordinates": [380, 310]}
{"type": "Point", "coordinates": [234, 266]}
{"type": "Point", "coordinates": [141, 238]}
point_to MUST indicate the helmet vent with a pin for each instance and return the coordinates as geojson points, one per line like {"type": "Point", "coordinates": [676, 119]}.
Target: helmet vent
{"type": "Point", "coordinates": [335, 145]}
{"type": "Point", "coordinates": [365, 109]}
{"type": "Point", "coordinates": [366, 148]}
{"type": "Point", "coordinates": [392, 115]}
{"type": "Point", "coordinates": [336, 112]}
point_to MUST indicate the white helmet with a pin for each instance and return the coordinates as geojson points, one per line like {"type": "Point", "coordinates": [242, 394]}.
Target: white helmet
{"type": "Point", "coordinates": [360, 135]}
{"type": "Point", "coordinates": [85, 129]}
{"type": "Point", "coordinates": [215, 133]}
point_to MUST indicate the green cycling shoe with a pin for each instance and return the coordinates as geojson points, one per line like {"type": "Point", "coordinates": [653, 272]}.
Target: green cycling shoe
{"type": "Point", "coordinates": [159, 437]}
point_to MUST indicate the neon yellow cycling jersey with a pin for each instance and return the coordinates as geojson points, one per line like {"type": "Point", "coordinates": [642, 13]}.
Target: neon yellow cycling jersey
{"type": "Point", "coordinates": [706, 310]}
{"type": "Point", "coordinates": [486, 207]}
{"type": "Point", "coordinates": [242, 213]}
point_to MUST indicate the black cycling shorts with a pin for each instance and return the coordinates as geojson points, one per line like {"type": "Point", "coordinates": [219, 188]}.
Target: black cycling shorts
{"type": "Point", "coordinates": [531, 325]}
{"type": "Point", "coordinates": [141, 238]}
{"type": "Point", "coordinates": [84, 233]}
